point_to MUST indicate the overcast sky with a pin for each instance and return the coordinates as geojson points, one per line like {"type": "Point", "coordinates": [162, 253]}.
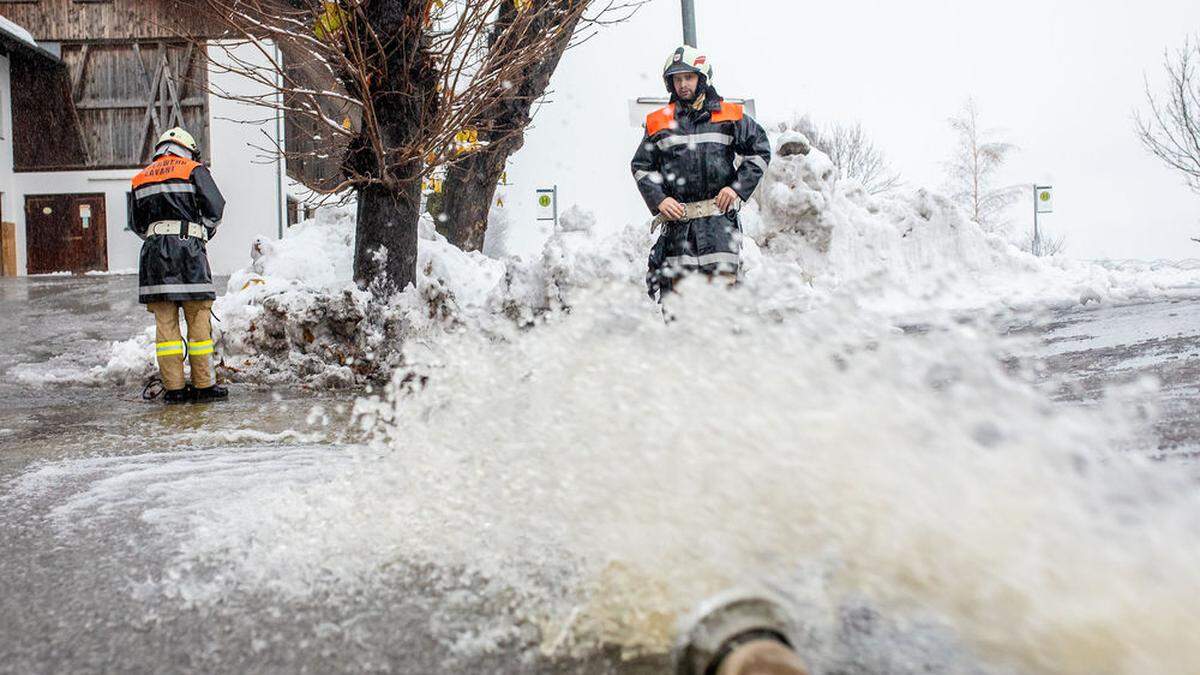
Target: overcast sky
{"type": "Point", "coordinates": [1060, 77]}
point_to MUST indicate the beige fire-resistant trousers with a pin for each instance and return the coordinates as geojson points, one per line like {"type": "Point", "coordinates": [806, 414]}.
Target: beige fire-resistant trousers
{"type": "Point", "coordinates": [170, 347]}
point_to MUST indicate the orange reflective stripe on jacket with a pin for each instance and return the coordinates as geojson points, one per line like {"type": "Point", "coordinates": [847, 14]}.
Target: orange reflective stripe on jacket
{"type": "Point", "coordinates": [660, 119]}
{"type": "Point", "coordinates": [664, 118]}
{"type": "Point", "coordinates": [729, 112]}
{"type": "Point", "coordinates": [165, 168]}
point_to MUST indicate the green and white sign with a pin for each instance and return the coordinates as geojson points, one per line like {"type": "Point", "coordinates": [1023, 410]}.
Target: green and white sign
{"type": "Point", "coordinates": [1044, 199]}
{"type": "Point", "coordinates": [547, 204]}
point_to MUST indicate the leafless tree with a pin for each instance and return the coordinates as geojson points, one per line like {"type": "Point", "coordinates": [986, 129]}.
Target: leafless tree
{"type": "Point", "coordinates": [971, 171]}
{"type": "Point", "coordinates": [395, 89]}
{"type": "Point", "coordinates": [853, 153]}
{"type": "Point", "coordinates": [1171, 128]}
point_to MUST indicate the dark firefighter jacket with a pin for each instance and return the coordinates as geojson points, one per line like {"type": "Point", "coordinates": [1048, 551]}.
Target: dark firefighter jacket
{"type": "Point", "coordinates": [175, 267]}
{"type": "Point", "coordinates": [691, 155]}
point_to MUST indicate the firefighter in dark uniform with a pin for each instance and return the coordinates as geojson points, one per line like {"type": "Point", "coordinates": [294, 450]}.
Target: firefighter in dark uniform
{"type": "Point", "coordinates": [176, 210]}
{"type": "Point", "coordinates": [700, 155]}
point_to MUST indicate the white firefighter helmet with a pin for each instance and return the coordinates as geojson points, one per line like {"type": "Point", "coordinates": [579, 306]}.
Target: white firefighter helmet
{"type": "Point", "coordinates": [178, 136]}
{"type": "Point", "coordinates": [687, 59]}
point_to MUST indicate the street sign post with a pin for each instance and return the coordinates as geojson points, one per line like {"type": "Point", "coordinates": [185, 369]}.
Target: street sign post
{"type": "Point", "coordinates": [547, 205]}
{"type": "Point", "coordinates": [689, 23]}
{"type": "Point", "coordinates": [1043, 202]}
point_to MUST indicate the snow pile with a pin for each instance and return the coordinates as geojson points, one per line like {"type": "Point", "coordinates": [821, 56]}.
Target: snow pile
{"type": "Point", "coordinates": [914, 251]}
{"type": "Point", "coordinates": [294, 312]}
{"type": "Point", "coordinates": [810, 240]}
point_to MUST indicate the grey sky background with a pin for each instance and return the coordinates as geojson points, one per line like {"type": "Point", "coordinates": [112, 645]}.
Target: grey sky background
{"type": "Point", "coordinates": [1061, 78]}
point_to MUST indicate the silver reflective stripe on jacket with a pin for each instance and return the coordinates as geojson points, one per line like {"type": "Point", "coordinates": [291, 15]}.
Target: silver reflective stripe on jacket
{"type": "Point", "coordinates": [177, 288]}
{"type": "Point", "coordinates": [694, 139]}
{"type": "Point", "coordinates": [652, 175]}
{"type": "Point", "coordinates": [164, 188]}
{"type": "Point", "coordinates": [707, 259]}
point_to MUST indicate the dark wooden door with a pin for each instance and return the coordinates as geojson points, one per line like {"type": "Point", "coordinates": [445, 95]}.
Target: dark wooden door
{"type": "Point", "coordinates": [66, 233]}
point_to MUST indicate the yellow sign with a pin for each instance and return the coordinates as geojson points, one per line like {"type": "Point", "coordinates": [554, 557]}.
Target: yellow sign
{"type": "Point", "coordinates": [544, 201]}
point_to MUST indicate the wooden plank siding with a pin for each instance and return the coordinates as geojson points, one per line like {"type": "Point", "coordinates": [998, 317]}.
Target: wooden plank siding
{"type": "Point", "coordinates": [121, 20]}
{"type": "Point", "coordinates": [115, 96]}
{"type": "Point", "coordinates": [120, 98]}
{"type": "Point", "coordinates": [126, 95]}
{"type": "Point", "coordinates": [45, 134]}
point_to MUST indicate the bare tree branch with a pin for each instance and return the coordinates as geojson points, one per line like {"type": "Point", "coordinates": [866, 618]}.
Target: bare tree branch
{"type": "Point", "coordinates": [1171, 129]}
{"type": "Point", "coordinates": [853, 153]}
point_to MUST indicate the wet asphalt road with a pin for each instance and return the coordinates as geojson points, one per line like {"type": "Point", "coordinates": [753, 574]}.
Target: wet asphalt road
{"type": "Point", "coordinates": [66, 605]}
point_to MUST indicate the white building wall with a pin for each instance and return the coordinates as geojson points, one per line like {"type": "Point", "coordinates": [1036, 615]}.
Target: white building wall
{"type": "Point", "coordinates": [6, 158]}
{"type": "Point", "coordinates": [255, 200]}
{"type": "Point", "coordinates": [256, 204]}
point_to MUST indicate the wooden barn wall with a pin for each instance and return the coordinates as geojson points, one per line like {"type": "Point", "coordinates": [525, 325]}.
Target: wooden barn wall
{"type": "Point", "coordinates": [126, 95]}
{"type": "Point", "coordinates": [45, 132]}
{"type": "Point", "coordinates": [314, 153]}
{"type": "Point", "coordinates": [64, 20]}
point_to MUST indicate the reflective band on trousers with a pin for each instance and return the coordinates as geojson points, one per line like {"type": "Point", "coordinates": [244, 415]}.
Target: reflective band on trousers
{"type": "Point", "coordinates": [706, 259]}
{"type": "Point", "coordinates": [200, 347]}
{"type": "Point", "coordinates": [695, 139]}
{"type": "Point", "coordinates": [177, 288]}
{"type": "Point", "coordinates": [164, 188]}
{"type": "Point", "coordinates": [174, 348]}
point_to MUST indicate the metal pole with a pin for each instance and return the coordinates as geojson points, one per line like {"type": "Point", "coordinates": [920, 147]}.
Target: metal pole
{"type": "Point", "coordinates": [1037, 238]}
{"type": "Point", "coordinates": [689, 23]}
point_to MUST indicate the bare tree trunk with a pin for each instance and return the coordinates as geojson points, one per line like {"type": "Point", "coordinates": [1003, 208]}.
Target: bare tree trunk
{"type": "Point", "coordinates": [403, 97]}
{"type": "Point", "coordinates": [470, 189]}
{"type": "Point", "coordinates": [471, 182]}
{"type": "Point", "coordinates": [385, 251]}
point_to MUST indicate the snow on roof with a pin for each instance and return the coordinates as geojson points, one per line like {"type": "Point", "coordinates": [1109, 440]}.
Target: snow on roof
{"type": "Point", "coordinates": [16, 37]}
{"type": "Point", "coordinates": [17, 32]}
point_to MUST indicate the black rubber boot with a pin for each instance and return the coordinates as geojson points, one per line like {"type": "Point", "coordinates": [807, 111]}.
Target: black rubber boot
{"type": "Point", "coordinates": [178, 395]}
{"type": "Point", "coordinates": [213, 393]}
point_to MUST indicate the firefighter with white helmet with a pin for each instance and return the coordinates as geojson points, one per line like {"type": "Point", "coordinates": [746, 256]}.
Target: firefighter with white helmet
{"type": "Point", "coordinates": [177, 209]}
{"type": "Point", "coordinates": [688, 172]}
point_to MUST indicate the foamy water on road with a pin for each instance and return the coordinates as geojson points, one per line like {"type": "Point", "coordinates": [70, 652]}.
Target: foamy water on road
{"type": "Point", "coordinates": [578, 486]}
